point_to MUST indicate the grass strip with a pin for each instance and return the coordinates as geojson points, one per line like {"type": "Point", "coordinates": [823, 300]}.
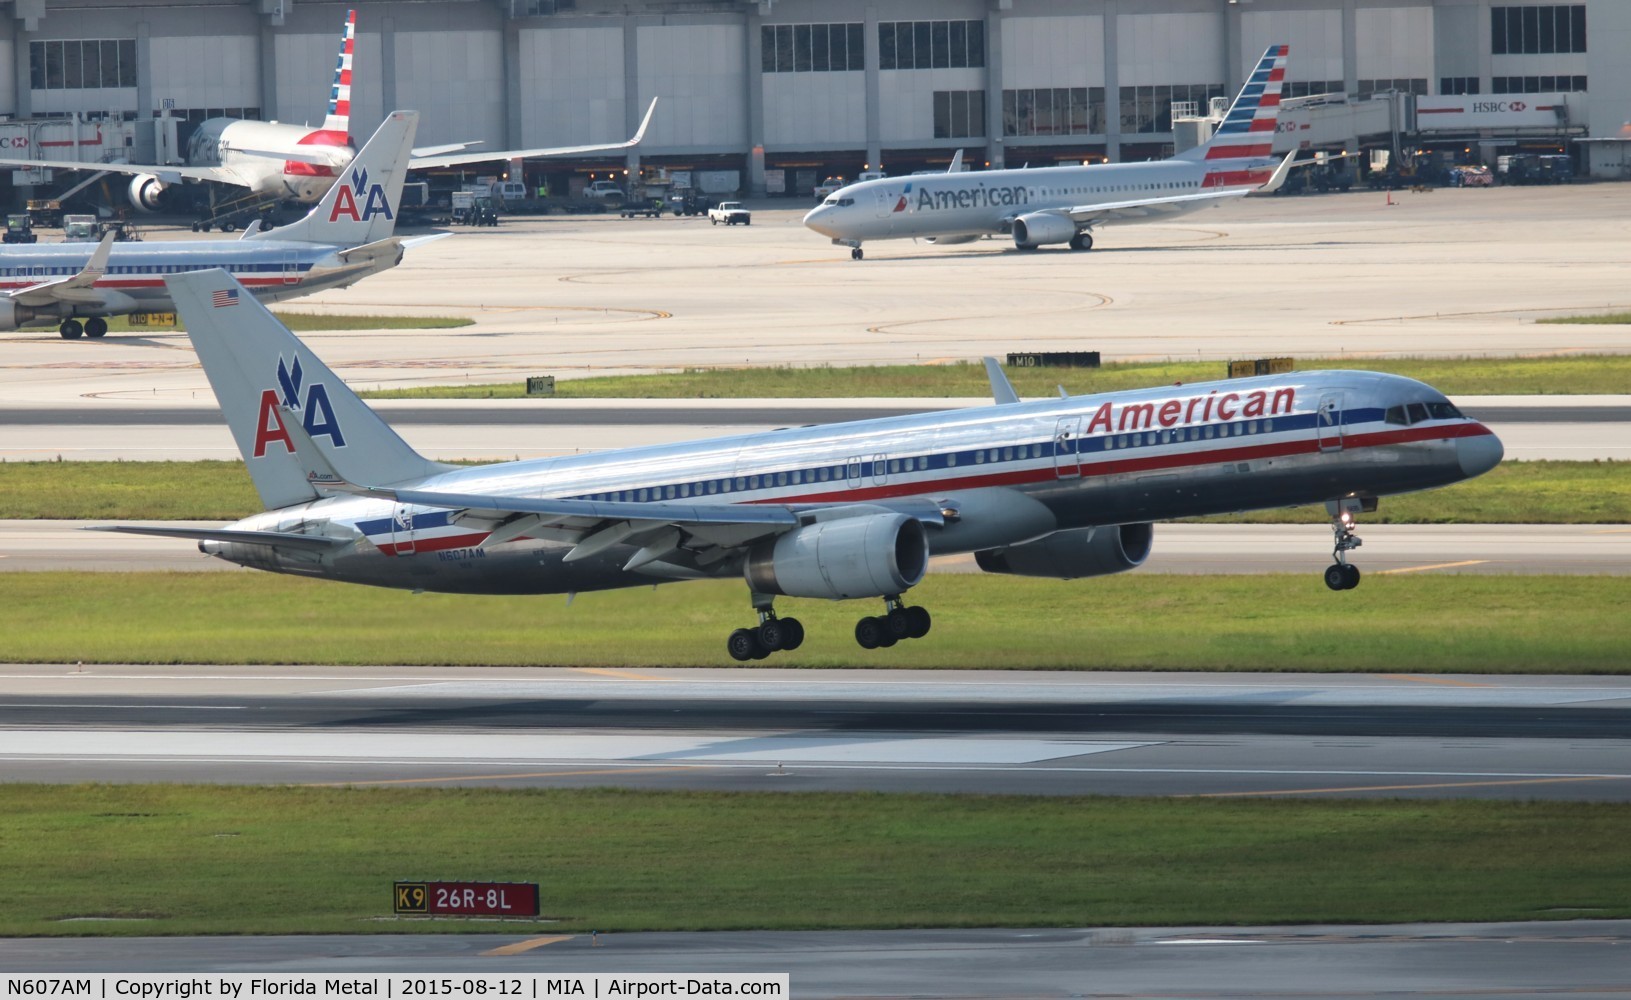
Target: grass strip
{"type": "Point", "coordinates": [1412, 622]}
{"type": "Point", "coordinates": [1501, 376]}
{"type": "Point", "coordinates": [1600, 319]}
{"type": "Point", "coordinates": [190, 860]}
{"type": "Point", "coordinates": [306, 322]}
{"type": "Point", "coordinates": [1512, 493]}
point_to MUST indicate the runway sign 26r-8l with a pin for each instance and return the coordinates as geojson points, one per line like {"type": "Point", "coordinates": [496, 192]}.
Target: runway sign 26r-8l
{"type": "Point", "coordinates": [467, 899]}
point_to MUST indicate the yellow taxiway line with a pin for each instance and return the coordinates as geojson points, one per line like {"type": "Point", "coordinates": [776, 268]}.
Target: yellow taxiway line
{"type": "Point", "coordinates": [1394, 788]}
{"type": "Point", "coordinates": [527, 945]}
{"type": "Point", "coordinates": [504, 777]}
{"type": "Point", "coordinates": [1423, 569]}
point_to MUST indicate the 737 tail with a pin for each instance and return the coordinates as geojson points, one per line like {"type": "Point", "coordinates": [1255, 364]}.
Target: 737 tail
{"type": "Point", "coordinates": [362, 205]}
{"type": "Point", "coordinates": [281, 402]}
{"type": "Point", "coordinates": [1239, 152]}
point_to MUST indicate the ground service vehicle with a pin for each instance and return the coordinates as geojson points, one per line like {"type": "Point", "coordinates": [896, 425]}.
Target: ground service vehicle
{"type": "Point", "coordinates": [827, 187]}
{"type": "Point", "coordinates": [651, 208]}
{"type": "Point", "coordinates": [81, 229]}
{"type": "Point", "coordinates": [603, 189]}
{"type": "Point", "coordinates": [730, 213]}
{"type": "Point", "coordinates": [20, 229]}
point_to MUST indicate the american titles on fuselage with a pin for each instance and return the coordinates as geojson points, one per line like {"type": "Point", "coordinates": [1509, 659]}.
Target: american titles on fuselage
{"type": "Point", "coordinates": [975, 197]}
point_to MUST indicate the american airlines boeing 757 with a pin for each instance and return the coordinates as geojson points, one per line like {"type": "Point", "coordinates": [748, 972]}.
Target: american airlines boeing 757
{"type": "Point", "coordinates": [1064, 204]}
{"type": "Point", "coordinates": [1060, 488]}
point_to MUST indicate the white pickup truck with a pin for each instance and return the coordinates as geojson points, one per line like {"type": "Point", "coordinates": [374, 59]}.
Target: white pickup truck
{"type": "Point", "coordinates": [730, 213]}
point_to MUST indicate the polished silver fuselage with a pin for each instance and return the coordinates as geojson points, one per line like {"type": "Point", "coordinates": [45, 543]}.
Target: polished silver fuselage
{"type": "Point", "coordinates": [1005, 473]}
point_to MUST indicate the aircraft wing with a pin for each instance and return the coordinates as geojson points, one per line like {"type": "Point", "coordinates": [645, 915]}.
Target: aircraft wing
{"type": "Point", "coordinates": [1145, 208]}
{"type": "Point", "coordinates": [675, 539]}
{"type": "Point", "coordinates": [76, 288]}
{"type": "Point", "coordinates": [169, 175]}
{"type": "Point", "coordinates": [417, 162]}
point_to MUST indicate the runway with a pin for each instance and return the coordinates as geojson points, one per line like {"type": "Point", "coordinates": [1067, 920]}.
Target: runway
{"type": "Point", "coordinates": [1531, 427]}
{"type": "Point", "coordinates": [34, 546]}
{"type": "Point", "coordinates": [771, 730]}
{"type": "Point", "coordinates": [1579, 958]}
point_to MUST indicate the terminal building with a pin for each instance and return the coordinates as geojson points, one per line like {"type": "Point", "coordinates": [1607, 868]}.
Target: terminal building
{"type": "Point", "coordinates": [771, 96]}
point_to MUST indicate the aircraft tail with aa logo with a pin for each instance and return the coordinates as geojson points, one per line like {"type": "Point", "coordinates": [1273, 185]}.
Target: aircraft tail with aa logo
{"type": "Point", "coordinates": [298, 427]}
{"type": "Point", "coordinates": [362, 205]}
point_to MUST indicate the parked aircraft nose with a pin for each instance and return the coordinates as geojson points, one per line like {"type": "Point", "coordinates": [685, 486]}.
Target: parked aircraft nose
{"type": "Point", "coordinates": [1479, 454]}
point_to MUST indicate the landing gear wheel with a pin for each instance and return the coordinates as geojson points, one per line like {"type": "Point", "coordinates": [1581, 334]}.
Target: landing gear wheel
{"type": "Point", "coordinates": [1336, 576]}
{"type": "Point", "coordinates": [773, 634]}
{"type": "Point", "coordinates": [869, 633]}
{"type": "Point", "coordinates": [70, 329]}
{"type": "Point", "coordinates": [792, 634]}
{"type": "Point", "coordinates": [898, 624]}
{"type": "Point", "coordinates": [95, 327]}
{"type": "Point", "coordinates": [855, 253]}
{"type": "Point", "coordinates": [1350, 577]}
{"type": "Point", "coordinates": [744, 645]}
{"type": "Point", "coordinates": [1082, 241]}
{"type": "Point", "coordinates": [918, 621]}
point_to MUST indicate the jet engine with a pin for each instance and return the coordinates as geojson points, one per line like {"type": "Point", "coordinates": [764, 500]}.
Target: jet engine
{"type": "Point", "coordinates": [15, 317]}
{"type": "Point", "coordinates": [868, 555]}
{"type": "Point", "coordinates": [1074, 553]}
{"type": "Point", "coordinates": [144, 192]}
{"type": "Point", "coordinates": [1041, 228]}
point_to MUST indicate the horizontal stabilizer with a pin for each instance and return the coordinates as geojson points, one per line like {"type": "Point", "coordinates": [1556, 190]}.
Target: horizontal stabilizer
{"type": "Point", "coordinates": [276, 539]}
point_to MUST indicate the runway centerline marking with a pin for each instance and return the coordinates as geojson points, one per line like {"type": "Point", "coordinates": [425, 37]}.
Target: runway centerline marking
{"type": "Point", "coordinates": [527, 945]}
{"type": "Point", "coordinates": [1449, 682]}
{"type": "Point", "coordinates": [508, 777]}
{"type": "Point", "coordinates": [1423, 569]}
{"type": "Point", "coordinates": [1386, 788]}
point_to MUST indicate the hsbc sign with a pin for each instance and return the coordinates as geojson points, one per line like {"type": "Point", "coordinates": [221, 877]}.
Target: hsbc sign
{"type": "Point", "coordinates": [1446, 113]}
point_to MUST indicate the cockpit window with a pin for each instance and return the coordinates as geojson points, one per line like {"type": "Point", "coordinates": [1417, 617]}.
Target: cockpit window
{"type": "Point", "coordinates": [846, 201]}
{"type": "Point", "coordinates": [1415, 413]}
{"type": "Point", "coordinates": [831, 200]}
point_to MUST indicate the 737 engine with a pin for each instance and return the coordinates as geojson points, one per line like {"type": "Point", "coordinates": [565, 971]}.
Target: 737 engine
{"type": "Point", "coordinates": [145, 190]}
{"type": "Point", "coordinates": [866, 555]}
{"type": "Point", "coordinates": [1042, 228]}
{"type": "Point", "coordinates": [1074, 553]}
{"type": "Point", "coordinates": [15, 317]}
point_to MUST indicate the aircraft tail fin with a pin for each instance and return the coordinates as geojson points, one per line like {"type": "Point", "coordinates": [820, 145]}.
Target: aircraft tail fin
{"type": "Point", "coordinates": [361, 207]}
{"type": "Point", "coordinates": [339, 99]}
{"type": "Point", "coordinates": [266, 380]}
{"type": "Point", "coordinates": [1239, 153]}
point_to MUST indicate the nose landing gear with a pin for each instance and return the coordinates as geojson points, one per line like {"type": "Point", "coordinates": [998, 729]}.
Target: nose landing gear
{"type": "Point", "coordinates": [898, 622]}
{"type": "Point", "coordinates": [1341, 575]}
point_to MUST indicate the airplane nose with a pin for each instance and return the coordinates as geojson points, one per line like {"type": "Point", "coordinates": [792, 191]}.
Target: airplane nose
{"type": "Point", "coordinates": [813, 220]}
{"type": "Point", "coordinates": [1478, 455]}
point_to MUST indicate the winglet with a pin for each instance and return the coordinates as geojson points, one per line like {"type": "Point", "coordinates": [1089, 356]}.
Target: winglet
{"type": "Point", "coordinates": [1002, 390]}
{"type": "Point", "coordinates": [640, 133]}
{"type": "Point", "coordinates": [956, 162]}
{"type": "Point", "coordinates": [1278, 178]}
{"type": "Point", "coordinates": [97, 266]}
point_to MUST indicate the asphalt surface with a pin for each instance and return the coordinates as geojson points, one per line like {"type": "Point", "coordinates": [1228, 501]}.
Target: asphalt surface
{"type": "Point", "coordinates": [1020, 732]}
{"type": "Point", "coordinates": [1579, 959]}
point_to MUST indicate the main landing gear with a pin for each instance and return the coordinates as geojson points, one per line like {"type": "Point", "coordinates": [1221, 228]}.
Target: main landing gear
{"type": "Point", "coordinates": [772, 634]}
{"type": "Point", "coordinates": [1342, 575]}
{"type": "Point", "coordinates": [72, 329]}
{"type": "Point", "coordinates": [896, 623]}
{"type": "Point", "coordinates": [1082, 241]}
{"type": "Point", "coordinates": [855, 253]}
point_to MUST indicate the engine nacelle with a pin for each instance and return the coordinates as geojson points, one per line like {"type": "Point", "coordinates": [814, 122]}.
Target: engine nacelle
{"type": "Point", "coordinates": [1042, 228]}
{"type": "Point", "coordinates": [145, 190]}
{"type": "Point", "coordinates": [1074, 553]}
{"type": "Point", "coordinates": [15, 317]}
{"type": "Point", "coordinates": [868, 555]}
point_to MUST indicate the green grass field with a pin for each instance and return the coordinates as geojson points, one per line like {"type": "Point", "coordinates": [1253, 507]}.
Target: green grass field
{"type": "Point", "coordinates": [1512, 493]}
{"type": "Point", "coordinates": [306, 322]}
{"type": "Point", "coordinates": [1599, 319]}
{"type": "Point", "coordinates": [1411, 623]}
{"type": "Point", "coordinates": [1561, 375]}
{"type": "Point", "coordinates": [229, 860]}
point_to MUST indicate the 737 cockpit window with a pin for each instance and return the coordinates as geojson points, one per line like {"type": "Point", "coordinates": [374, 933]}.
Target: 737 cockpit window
{"type": "Point", "coordinates": [1415, 413]}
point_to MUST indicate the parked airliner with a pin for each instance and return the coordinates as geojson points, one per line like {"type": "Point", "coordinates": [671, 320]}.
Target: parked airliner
{"type": "Point", "coordinates": [345, 238]}
{"type": "Point", "coordinates": [1063, 204]}
{"type": "Point", "coordinates": [274, 161]}
{"type": "Point", "coordinates": [1060, 488]}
